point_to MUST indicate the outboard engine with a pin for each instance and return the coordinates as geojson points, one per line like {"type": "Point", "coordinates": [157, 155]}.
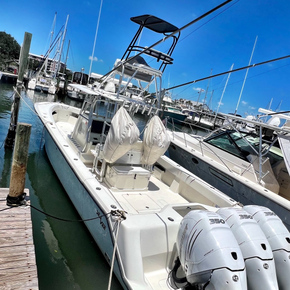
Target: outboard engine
{"type": "Point", "coordinates": [279, 239]}
{"type": "Point", "coordinates": [257, 252]}
{"type": "Point", "coordinates": [209, 253]}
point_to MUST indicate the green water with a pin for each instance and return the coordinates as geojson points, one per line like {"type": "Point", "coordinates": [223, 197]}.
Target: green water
{"type": "Point", "coordinates": [66, 255]}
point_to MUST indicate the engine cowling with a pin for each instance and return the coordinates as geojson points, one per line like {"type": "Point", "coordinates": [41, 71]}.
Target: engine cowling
{"type": "Point", "coordinates": [279, 239]}
{"type": "Point", "coordinates": [256, 250]}
{"type": "Point", "coordinates": [209, 253]}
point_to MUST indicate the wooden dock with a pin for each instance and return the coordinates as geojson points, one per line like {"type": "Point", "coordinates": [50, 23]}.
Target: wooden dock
{"type": "Point", "coordinates": [17, 256]}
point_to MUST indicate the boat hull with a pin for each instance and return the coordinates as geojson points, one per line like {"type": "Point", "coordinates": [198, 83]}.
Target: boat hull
{"type": "Point", "coordinates": [76, 95]}
{"type": "Point", "coordinates": [83, 201]}
{"type": "Point", "coordinates": [178, 117]}
{"type": "Point", "coordinates": [226, 182]}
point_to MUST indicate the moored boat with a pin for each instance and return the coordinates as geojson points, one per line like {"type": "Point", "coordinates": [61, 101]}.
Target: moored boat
{"type": "Point", "coordinates": [243, 165]}
{"type": "Point", "coordinates": [171, 111]}
{"type": "Point", "coordinates": [42, 83]}
{"type": "Point", "coordinates": [156, 223]}
{"type": "Point", "coordinates": [73, 92]}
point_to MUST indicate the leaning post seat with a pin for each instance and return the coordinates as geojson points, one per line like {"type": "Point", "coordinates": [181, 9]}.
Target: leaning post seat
{"type": "Point", "coordinates": [122, 164]}
{"type": "Point", "coordinates": [127, 173]}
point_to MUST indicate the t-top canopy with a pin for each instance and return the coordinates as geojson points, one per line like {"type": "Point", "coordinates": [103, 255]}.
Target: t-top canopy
{"type": "Point", "coordinates": [154, 23]}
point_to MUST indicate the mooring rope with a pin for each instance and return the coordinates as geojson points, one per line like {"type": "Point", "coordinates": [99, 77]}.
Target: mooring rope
{"type": "Point", "coordinates": [32, 110]}
{"type": "Point", "coordinates": [56, 217]}
{"type": "Point", "coordinates": [120, 217]}
{"type": "Point", "coordinates": [69, 220]}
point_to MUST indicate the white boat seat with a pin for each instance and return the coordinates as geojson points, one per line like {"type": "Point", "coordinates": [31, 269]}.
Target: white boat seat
{"type": "Point", "coordinates": [127, 177]}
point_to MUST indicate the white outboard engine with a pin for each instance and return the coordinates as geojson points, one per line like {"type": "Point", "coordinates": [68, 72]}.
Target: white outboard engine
{"type": "Point", "coordinates": [279, 239]}
{"type": "Point", "coordinates": [257, 252]}
{"type": "Point", "coordinates": [209, 253]}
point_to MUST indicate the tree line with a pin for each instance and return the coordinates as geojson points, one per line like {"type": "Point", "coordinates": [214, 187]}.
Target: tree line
{"type": "Point", "coordinates": [9, 50]}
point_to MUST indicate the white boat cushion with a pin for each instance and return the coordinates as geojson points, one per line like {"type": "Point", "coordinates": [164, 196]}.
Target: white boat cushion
{"type": "Point", "coordinates": [121, 137]}
{"type": "Point", "coordinates": [155, 142]}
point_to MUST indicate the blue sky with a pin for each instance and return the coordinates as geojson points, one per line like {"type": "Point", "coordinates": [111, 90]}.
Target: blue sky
{"type": "Point", "coordinates": [210, 46]}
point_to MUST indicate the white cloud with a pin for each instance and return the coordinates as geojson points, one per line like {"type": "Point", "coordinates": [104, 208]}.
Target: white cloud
{"type": "Point", "coordinates": [252, 108]}
{"type": "Point", "coordinates": [198, 89]}
{"type": "Point", "coordinates": [244, 103]}
{"type": "Point", "coordinates": [95, 59]}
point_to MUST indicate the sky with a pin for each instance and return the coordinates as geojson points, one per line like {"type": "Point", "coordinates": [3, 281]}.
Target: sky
{"type": "Point", "coordinates": [241, 31]}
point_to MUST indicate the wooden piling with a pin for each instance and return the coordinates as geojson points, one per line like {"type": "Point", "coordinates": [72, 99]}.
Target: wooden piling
{"type": "Point", "coordinates": [23, 58]}
{"type": "Point", "coordinates": [19, 164]}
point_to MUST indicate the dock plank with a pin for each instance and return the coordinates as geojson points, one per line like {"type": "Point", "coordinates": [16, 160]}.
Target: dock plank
{"type": "Point", "coordinates": [18, 268]}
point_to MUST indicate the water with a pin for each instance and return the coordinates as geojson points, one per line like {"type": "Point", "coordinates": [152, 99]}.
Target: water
{"type": "Point", "coordinates": [66, 254]}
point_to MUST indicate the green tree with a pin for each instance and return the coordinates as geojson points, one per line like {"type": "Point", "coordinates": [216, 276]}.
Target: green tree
{"type": "Point", "coordinates": [9, 49]}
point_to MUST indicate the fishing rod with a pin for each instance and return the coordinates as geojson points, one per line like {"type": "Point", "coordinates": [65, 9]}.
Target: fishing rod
{"type": "Point", "coordinates": [274, 113]}
{"type": "Point", "coordinates": [227, 72]}
{"type": "Point", "coordinates": [170, 35]}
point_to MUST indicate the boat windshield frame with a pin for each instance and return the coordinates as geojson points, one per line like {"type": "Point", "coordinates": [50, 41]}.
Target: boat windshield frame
{"type": "Point", "coordinates": [241, 144]}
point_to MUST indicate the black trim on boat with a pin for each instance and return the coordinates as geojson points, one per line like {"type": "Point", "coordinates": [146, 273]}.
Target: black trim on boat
{"type": "Point", "coordinates": [220, 176]}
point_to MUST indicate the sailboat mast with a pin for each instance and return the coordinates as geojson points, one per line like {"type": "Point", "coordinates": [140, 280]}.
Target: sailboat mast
{"type": "Point", "coordinates": [246, 76]}
{"type": "Point", "coordinates": [61, 49]}
{"type": "Point", "coordinates": [66, 57]}
{"type": "Point", "coordinates": [93, 52]}
{"type": "Point", "coordinates": [223, 93]}
{"type": "Point", "coordinates": [50, 43]}
{"type": "Point", "coordinates": [207, 88]}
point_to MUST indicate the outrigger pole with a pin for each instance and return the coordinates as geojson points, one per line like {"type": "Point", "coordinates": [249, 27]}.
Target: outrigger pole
{"type": "Point", "coordinates": [170, 35]}
{"type": "Point", "coordinates": [227, 72]}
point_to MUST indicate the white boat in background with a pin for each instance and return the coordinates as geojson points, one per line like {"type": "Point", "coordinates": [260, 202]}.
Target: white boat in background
{"type": "Point", "coordinates": [158, 225]}
{"type": "Point", "coordinates": [73, 92]}
{"type": "Point", "coordinates": [244, 165]}
{"type": "Point", "coordinates": [203, 120]}
{"type": "Point", "coordinates": [43, 83]}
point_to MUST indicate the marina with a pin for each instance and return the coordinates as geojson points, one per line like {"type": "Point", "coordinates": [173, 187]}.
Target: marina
{"type": "Point", "coordinates": [55, 252]}
{"type": "Point", "coordinates": [123, 189]}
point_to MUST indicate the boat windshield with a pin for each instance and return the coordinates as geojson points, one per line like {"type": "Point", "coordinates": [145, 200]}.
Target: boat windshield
{"type": "Point", "coordinates": [231, 144]}
{"type": "Point", "coordinates": [243, 144]}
